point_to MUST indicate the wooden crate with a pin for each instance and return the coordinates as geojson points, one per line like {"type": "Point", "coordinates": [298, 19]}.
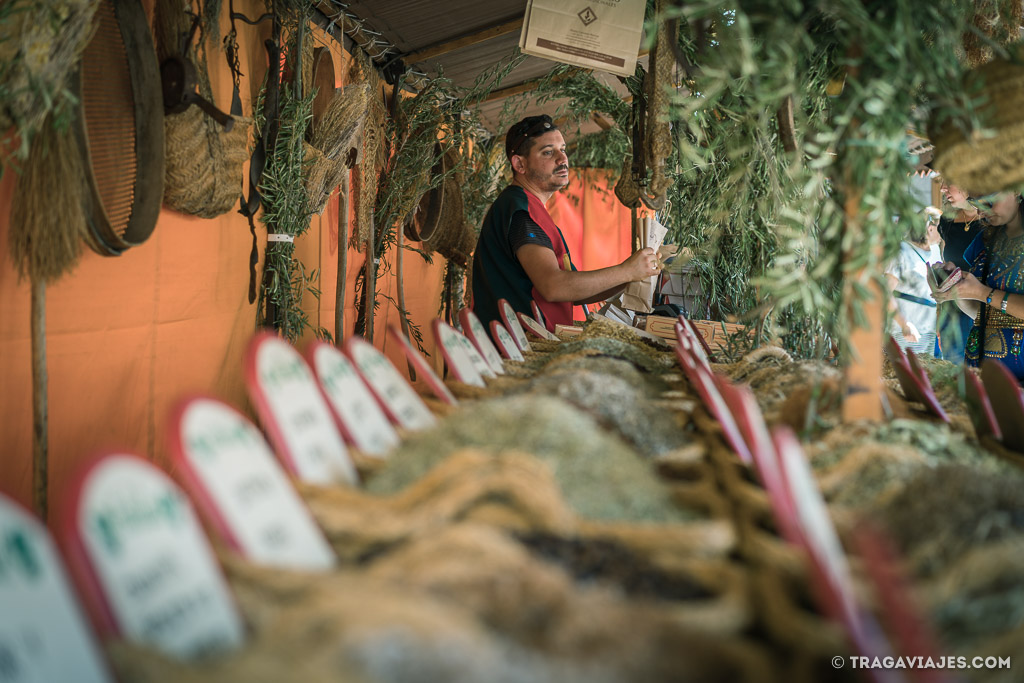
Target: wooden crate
{"type": "Point", "coordinates": [713, 332]}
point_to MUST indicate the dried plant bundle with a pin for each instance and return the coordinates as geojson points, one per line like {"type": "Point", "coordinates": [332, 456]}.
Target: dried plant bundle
{"type": "Point", "coordinates": [47, 215]}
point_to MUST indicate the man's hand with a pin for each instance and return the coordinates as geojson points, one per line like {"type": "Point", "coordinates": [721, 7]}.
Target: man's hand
{"type": "Point", "coordinates": [641, 265]}
{"type": "Point", "coordinates": [585, 286]}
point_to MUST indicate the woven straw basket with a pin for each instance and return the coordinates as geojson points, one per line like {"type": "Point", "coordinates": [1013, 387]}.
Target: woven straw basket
{"type": "Point", "coordinates": [441, 222]}
{"type": "Point", "coordinates": [990, 160]}
{"type": "Point", "coordinates": [204, 164]}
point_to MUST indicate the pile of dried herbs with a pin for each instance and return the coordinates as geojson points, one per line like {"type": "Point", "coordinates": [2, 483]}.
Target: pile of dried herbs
{"type": "Point", "coordinates": [601, 477]}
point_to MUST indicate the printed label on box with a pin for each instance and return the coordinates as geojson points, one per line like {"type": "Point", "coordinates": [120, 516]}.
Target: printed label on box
{"type": "Point", "coordinates": [596, 34]}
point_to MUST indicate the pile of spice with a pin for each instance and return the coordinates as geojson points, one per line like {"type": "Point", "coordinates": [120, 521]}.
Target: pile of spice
{"type": "Point", "coordinates": [600, 476]}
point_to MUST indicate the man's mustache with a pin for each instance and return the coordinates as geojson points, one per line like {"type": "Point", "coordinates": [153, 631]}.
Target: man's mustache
{"type": "Point", "coordinates": [564, 167]}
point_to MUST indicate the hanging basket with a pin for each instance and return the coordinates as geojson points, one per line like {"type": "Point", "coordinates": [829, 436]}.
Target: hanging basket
{"type": "Point", "coordinates": [204, 163]}
{"type": "Point", "coordinates": [453, 238]}
{"type": "Point", "coordinates": [203, 173]}
{"type": "Point", "coordinates": [428, 216]}
{"type": "Point", "coordinates": [992, 159]}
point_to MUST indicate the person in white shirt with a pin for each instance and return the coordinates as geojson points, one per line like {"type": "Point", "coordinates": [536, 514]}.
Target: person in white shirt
{"type": "Point", "coordinates": [914, 309]}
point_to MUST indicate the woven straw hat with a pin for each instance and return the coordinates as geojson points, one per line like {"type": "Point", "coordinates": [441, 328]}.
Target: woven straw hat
{"type": "Point", "coordinates": [991, 159]}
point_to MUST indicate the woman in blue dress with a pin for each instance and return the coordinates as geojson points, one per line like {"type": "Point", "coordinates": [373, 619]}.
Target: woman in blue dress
{"type": "Point", "coordinates": [992, 290]}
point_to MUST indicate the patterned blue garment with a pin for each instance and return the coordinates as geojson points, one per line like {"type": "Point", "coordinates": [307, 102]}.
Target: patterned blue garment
{"type": "Point", "coordinates": [1005, 258]}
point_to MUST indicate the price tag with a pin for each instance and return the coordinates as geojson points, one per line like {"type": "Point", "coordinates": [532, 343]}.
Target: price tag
{"type": "Point", "coordinates": [704, 383]}
{"type": "Point", "coordinates": [1003, 390]}
{"type": "Point", "coordinates": [398, 400]}
{"type": "Point", "coordinates": [537, 315]}
{"type": "Point", "coordinates": [237, 483]}
{"type": "Point", "coordinates": [293, 411]}
{"type": "Point", "coordinates": [743, 406]}
{"type": "Point", "coordinates": [535, 328]}
{"type": "Point", "coordinates": [474, 329]}
{"type": "Point", "coordinates": [507, 345]}
{"type": "Point", "coordinates": [43, 634]}
{"type": "Point", "coordinates": [508, 316]}
{"type": "Point", "coordinates": [455, 355]}
{"type": "Point", "coordinates": [136, 542]}
{"type": "Point", "coordinates": [422, 367]}
{"type": "Point", "coordinates": [474, 356]}
{"type": "Point", "coordinates": [816, 527]}
{"type": "Point", "coordinates": [362, 421]}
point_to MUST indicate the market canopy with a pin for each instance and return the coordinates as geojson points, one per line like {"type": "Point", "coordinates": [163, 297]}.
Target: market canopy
{"type": "Point", "coordinates": [460, 39]}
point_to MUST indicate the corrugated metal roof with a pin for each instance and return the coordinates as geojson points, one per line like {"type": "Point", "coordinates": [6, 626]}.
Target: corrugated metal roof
{"type": "Point", "coordinates": [412, 25]}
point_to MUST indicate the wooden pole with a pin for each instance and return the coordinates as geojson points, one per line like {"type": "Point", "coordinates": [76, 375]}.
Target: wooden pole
{"type": "Point", "coordinates": [634, 228]}
{"type": "Point", "coordinates": [339, 303]}
{"type": "Point", "coordinates": [863, 388]}
{"type": "Point", "coordinates": [40, 410]}
{"type": "Point", "coordinates": [370, 283]}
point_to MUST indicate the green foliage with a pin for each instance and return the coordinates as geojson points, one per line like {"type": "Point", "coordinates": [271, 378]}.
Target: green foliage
{"type": "Point", "coordinates": [286, 211]}
{"type": "Point", "coordinates": [606, 149]}
{"type": "Point", "coordinates": [775, 221]}
{"type": "Point", "coordinates": [438, 121]}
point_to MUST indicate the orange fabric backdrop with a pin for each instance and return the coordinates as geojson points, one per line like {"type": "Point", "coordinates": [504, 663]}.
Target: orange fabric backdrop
{"type": "Point", "coordinates": [595, 225]}
{"type": "Point", "coordinates": [129, 337]}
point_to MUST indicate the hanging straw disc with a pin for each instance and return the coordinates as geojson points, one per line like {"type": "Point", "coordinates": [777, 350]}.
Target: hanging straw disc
{"type": "Point", "coordinates": [992, 159]}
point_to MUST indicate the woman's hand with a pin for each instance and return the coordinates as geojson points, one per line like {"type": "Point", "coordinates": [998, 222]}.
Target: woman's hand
{"type": "Point", "coordinates": [910, 333]}
{"type": "Point", "coordinates": [969, 288]}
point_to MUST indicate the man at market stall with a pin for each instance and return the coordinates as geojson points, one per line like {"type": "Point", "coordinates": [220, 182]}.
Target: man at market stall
{"type": "Point", "coordinates": [521, 254]}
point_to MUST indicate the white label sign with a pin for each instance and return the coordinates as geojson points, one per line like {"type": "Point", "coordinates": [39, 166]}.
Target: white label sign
{"type": "Point", "coordinates": [252, 500]}
{"type": "Point", "coordinates": [537, 315]}
{"type": "Point", "coordinates": [508, 314]}
{"type": "Point", "coordinates": [422, 366]}
{"type": "Point", "coordinates": [403, 405]}
{"type": "Point", "coordinates": [505, 342]}
{"type": "Point", "coordinates": [155, 566]}
{"type": "Point", "coordinates": [296, 416]}
{"type": "Point", "coordinates": [815, 522]}
{"type": "Point", "coordinates": [43, 635]}
{"type": "Point", "coordinates": [474, 329]}
{"type": "Point", "coordinates": [536, 329]}
{"type": "Point", "coordinates": [459, 361]}
{"type": "Point", "coordinates": [362, 421]}
{"type": "Point", "coordinates": [475, 358]}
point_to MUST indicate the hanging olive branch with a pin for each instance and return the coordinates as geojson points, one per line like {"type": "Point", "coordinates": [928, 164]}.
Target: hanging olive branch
{"type": "Point", "coordinates": [286, 208]}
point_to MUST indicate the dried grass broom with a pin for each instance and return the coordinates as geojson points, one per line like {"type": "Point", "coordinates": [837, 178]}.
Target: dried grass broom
{"type": "Point", "coordinates": [47, 216]}
{"type": "Point", "coordinates": [46, 233]}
